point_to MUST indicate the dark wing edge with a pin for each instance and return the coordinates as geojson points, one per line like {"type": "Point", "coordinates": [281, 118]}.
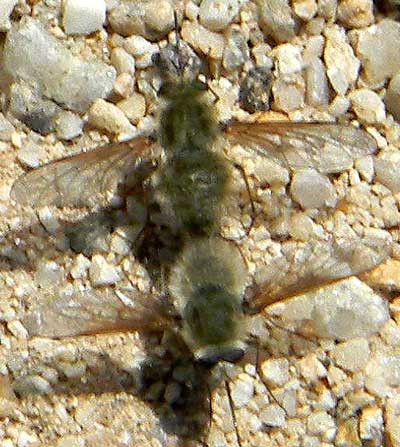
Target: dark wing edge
{"type": "Point", "coordinates": [317, 264]}
{"type": "Point", "coordinates": [75, 180]}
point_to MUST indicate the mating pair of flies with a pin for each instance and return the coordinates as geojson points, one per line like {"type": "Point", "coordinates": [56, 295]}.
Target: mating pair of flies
{"type": "Point", "coordinates": [187, 171]}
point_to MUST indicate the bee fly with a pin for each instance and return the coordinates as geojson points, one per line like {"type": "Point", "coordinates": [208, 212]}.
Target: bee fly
{"type": "Point", "coordinates": [191, 184]}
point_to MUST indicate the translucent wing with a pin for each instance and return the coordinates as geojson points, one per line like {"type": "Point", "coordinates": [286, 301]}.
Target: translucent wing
{"type": "Point", "coordinates": [93, 312]}
{"type": "Point", "coordinates": [318, 263]}
{"type": "Point", "coordinates": [328, 148]}
{"type": "Point", "coordinates": [76, 180]}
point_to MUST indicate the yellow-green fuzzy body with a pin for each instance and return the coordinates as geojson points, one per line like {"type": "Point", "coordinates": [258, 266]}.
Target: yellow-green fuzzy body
{"type": "Point", "coordinates": [213, 314]}
{"type": "Point", "coordinates": [187, 124]}
{"type": "Point", "coordinates": [193, 179]}
{"type": "Point", "coordinates": [207, 283]}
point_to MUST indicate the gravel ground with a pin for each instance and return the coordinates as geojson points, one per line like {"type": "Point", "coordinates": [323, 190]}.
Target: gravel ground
{"type": "Point", "coordinates": [321, 369]}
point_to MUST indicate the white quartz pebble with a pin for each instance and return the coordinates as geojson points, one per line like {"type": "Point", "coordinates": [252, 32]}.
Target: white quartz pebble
{"type": "Point", "coordinates": [102, 273]}
{"type": "Point", "coordinates": [83, 17]}
{"type": "Point", "coordinates": [6, 7]}
{"type": "Point", "coordinates": [312, 190]}
{"type": "Point", "coordinates": [107, 116]}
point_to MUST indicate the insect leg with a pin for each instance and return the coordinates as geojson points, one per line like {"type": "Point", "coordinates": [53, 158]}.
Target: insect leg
{"type": "Point", "coordinates": [228, 391]}
{"type": "Point", "coordinates": [246, 182]}
{"type": "Point", "coordinates": [259, 372]}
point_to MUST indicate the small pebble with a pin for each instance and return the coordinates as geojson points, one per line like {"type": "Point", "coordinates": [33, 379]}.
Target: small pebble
{"type": "Point", "coordinates": [202, 39]}
{"type": "Point", "coordinates": [138, 46]}
{"type": "Point", "coordinates": [315, 26]}
{"type": "Point", "coordinates": [6, 129]}
{"type": "Point", "coordinates": [352, 355]}
{"type": "Point", "coordinates": [7, 313]}
{"type": "Point", "coordinates": [133, 107]}
{"type": "Point", "coordinates": [236, 52]}
{"type": "Point", "coordinates": [367, 105]}
{"type": "Point", "coordinates": [191, 10]}
{"type": "Point", "coordinates": [356, 13]}
{"type": "Point", "coordinates": [311, 368]}
{"type": "Point", "coordinates": [48, 273]}
{"type": "Point", "coordinates": [288, 59]}
{"type": "Point", "coordinates": [151, 19]}
{"type": "Point", "coordinates": [124, 85]}
{"type": "Point", "coordinates": [89, 235]}
{"type": "Point", "coordinates": [387, 170]}
{"type": "Point", "coordinates": [385, 276]}
{"type": "Point", "coordinates": [106, 116]}
{"type": "Point", "coordinates": [322, 424]}
{"type": "Point", "coordinates": [339, 106]}
{"type": "Point", "coordinates": [33, 384]}
{"type": "Point", "coordinates": [371, 423]}
{"type": "Point", "coordinates": [301, 227]}
{"type": "Point", "coordinates": [122, 61]}
{"type": "Point", "coordinates": [17, 329]}
{"type": "Point", "coordinates": [310, 189]}
{"type": "Point", "coordinates": [382, 373]}
{"type": "Point", "coordinates": [216, 15]}
{"type": "Point", "coordinates": [270, 172]}
{"type": "Point", "coordinates": [80, 267]}
{"type": "Point", "coordinates": [392, 418]}
{"type": "Point", "coordinates": [276, 19]}
{"type": "Point", "coordinates": [305, 9]}
{"type": "Point", "coordinates": [365, 166]}
{"type": "Point", "coordinates": [102, 273]}
{"type": "Point", "coordinates": [327, 9]}
{"type": "Point", "coordinates": [260, 53]}
{"type": "Point", "coordinates": [342, 65]}
{"type": "Point", "coordinates": [26, 439]}
{"type": "Point", "coordinates": [6, 8]}
{"type": "Point", "coordinates": [273, 416]}
{"type": "Point", "coordinates": [347, 433]}
{"type": "Point", "coordinates": [378, 47]}
{"type": "Point", "coordinates": [275, 371]}
{"type": "Point", "coordinates": [31, 154]}
{"type": "Point", "coordinates": [391, 334]}
{"type": "Point", "coordinates": [353, 310]}
{"type": "Point", "coordinates": [255, 90]}
{"type": "Point", "coordinates": [49, 220]}
{"type": "Point", "coordinates": [16, 139]}
{"type": "Point", "coordinates": [392, 97]}
{"type": "Point", "coordinates": [85, 414]}
{"type": "Point", "coordinates": [288, 96]}
{"type": "Point", "coordinates": [83, 17]}
{"type": "Point", "coordinates": [242, 391]}
{"type": "Point", "coordinates": [72, 370]}
{"type": "Point", "coordinates": [120, 245]}
{"type": "Point", "coordinates": [317, 88]}
{"type": "Point", "coordinates": [68, 125]}
{"type": "Point", "coordinates": [313, 49]}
